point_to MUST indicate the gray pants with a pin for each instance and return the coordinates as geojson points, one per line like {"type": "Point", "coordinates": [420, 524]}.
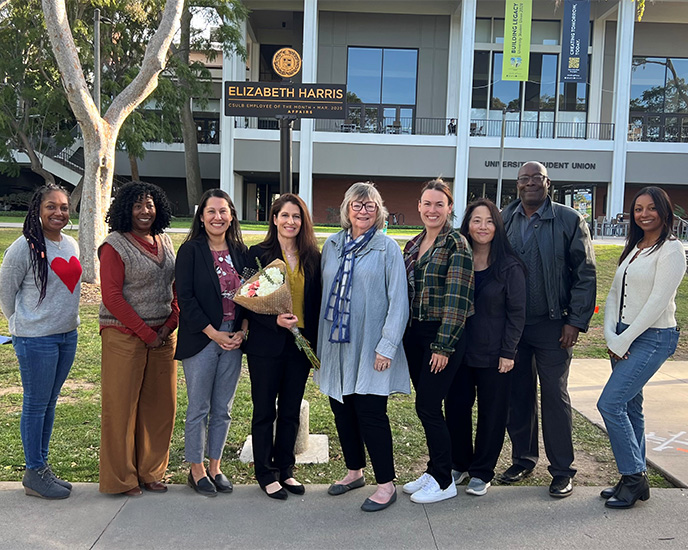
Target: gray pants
{"type": "Point", "coordinates": [211, 376]}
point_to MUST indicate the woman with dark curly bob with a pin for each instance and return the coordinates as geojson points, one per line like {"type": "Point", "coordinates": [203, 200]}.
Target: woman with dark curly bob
{"type": "Point", "coordinates": [137, 317]}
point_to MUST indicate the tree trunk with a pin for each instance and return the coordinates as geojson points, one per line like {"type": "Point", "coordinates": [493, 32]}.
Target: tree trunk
{"type": "Point", "coordinates": [36, 164]}
{"type": "Point", "coordinates": [134, 165]}
{"type": "Point", "coordinates": [194, 184]}
{"type": "Point", "coordinates": [75, 197]}
{"type": "Point", "coordinates": [100, 134]}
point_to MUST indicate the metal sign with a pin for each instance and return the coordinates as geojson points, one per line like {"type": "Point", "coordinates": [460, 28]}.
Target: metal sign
{"type": "Point", "coordinates": [270, 99]}
{"type": "Point", "coordinates": [286, 62]}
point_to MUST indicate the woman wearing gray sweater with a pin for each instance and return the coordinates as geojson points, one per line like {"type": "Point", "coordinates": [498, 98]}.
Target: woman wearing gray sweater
{"type": "Point", "coordinates": [40, 286]}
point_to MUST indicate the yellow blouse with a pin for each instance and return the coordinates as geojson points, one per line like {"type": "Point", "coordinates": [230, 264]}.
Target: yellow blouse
{"type": "Point", "coordinates": [296, 285]}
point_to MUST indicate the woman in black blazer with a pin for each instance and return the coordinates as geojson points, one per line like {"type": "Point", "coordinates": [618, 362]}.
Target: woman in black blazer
{"type": "Point", "coordinates": [278, 369]}
{"type": "Point", "coordinates": [208, 266]}
{"type": "Point", "coordinates": [493, 332]}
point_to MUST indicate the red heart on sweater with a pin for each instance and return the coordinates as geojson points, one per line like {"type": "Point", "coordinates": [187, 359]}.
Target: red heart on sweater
{"type": "Point", "coordinates": [68, 272]}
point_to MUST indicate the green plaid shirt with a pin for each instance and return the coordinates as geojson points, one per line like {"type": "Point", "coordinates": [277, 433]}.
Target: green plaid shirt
{"type": "Point", "coordinates": [441, 285]}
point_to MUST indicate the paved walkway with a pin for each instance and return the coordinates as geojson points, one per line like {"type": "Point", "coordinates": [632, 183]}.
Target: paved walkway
{"type": "Point", "coordinates": [507, 517]}
{"type": "Point", "coordinates": [665, 406]}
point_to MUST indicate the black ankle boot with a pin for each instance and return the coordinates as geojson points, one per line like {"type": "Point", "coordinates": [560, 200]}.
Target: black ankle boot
{"type": "Point", "coordinates": [632, 488]}
{"type": "Point", "coordinates": [609, 492]}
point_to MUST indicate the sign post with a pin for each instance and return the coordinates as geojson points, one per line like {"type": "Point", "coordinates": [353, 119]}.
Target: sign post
{"type": "Point", "coordinates": [286, 101]}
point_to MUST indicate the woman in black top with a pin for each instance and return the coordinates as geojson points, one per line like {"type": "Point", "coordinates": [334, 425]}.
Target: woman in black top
{"type": "Point", "coordinates": [278, 369]}
{"type": "Point", "coordinates": [493, 332]}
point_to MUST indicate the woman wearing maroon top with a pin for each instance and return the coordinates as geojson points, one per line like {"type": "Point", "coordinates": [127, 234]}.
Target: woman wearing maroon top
{"type": "Point", "coordinates": [208, 267]}
{"type": "Point", "coordinates": [138, 315]}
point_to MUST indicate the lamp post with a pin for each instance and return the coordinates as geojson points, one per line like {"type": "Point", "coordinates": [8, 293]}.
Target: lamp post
{"type": "Point", "coordinates": [96, 58]}
{"type": "Point", "coordinates": [498, 202]}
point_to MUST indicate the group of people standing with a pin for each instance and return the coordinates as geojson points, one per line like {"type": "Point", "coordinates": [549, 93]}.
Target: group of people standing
{"type": "Point", "coordinates": [483, 311]}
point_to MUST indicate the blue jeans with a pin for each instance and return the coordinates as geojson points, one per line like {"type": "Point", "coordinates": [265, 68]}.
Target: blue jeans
{"type": "Point", "coordinates": [621, 402]}
{"type": "Point", "coordinates": [44, 364]}
{"type": "Point", "coordinates": [211, 377]}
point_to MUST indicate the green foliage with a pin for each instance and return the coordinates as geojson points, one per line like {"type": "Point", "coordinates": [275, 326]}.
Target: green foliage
{"type": "Point", "coordinates": [34, 112]}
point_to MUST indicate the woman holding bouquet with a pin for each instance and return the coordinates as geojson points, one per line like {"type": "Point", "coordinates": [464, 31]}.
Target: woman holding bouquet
{"type": "Point", "coordinates": [208, 266]}
{"type": "Point", "coordinates": [278, 370]}
{"type": "Point", "coordinates": [362, 319]}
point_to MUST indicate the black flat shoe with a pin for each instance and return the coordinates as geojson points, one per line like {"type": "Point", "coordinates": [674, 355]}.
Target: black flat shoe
{"type": "Point", "coordinates": [222, 484]}
{"type": "Point", "coordinates": [277, 495]}
{"type": "Point", "coordinates": [204, 486]}
{"type": "Point", "coordinates": [341, 488]}
{"type": "Point", "coordinates": [372, 506]}
{"type": "Point", "coordinates": [294, 489]}
{"type": "Point", "coordinates": [514, 474]}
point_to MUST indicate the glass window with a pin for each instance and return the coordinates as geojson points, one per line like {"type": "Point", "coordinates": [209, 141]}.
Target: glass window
{"type": "Point", "coordinates": [499, 31]}
{"type": "Point", "coordinates": [481, 79]}
{"type": "Point", "coordinates": [541, 84]}
{"type": "Point", "coordinates": [483, 30]}
{"type": "Point", "coordinates": [505, 93]}
{"type": "Point", "coordinates": [364, 74]}
{"type": "Point", "coordinates": [545, 32]}
{"type": "Point", "coordinates": [648, 78]}
{"type": "Point", "coordinates": [677, 86]}
{"type": "Point", "coordinates": [399, 70]}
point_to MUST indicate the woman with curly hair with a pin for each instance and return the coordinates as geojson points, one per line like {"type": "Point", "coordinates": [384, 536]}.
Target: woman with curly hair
{"type": "Point", "coordinates": [40, 285]}
{"type": "Point", "coordinates": [208, 267]}
{"type": "Point", "coordinates": [137, 317]}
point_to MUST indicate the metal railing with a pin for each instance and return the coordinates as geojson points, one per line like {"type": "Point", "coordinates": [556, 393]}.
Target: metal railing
{"type": "Point", "coordinates": [543, 129]}
{"type": "Point", "coordinates": [661, 133]}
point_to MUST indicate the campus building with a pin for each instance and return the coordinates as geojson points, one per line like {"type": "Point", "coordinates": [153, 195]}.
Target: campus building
{"type": "Point", "coordinates": [426, 98]}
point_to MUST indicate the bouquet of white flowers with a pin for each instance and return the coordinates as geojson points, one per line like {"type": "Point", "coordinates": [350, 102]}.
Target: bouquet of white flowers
{"type": "Point", "coordinates": [267, 292]}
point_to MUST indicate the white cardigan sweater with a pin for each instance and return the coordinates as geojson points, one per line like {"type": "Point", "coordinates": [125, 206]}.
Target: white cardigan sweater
{"type": "Point", "coordinates": [651, 283]}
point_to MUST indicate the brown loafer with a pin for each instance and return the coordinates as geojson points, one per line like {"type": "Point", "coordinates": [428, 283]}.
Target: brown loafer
{"type": "Point", "coordinates": [133, 492]}
{"type": "Point", "coordinates": [155, 487]}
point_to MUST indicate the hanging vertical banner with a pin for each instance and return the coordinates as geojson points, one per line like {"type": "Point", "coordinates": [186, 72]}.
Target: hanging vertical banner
{"type": "Point", "coordinates": [517, 21]}
{"type": "Point", "coordinates": [576, 36]}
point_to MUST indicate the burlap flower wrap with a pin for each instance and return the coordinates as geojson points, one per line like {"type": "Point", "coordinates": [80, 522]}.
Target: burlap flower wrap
{"type": "Point", "coordinates": [267, 293]}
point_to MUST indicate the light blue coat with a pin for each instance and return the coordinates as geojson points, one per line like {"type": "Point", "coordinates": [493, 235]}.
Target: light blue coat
{"type": "Point", "coordinates": [379, 313]}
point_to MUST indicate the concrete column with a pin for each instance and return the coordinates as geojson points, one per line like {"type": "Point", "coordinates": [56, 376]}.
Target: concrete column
{"type": "Point", "coordinates": [596, 70]}
{"type": "Point", "coordinates": [464, 74]}
{"type": "Point", "coordinates": [309, 75]}
{"type": "Point", "coordinates": [233, 69]}
{"type": "Point", "coordinates": [622, 99]}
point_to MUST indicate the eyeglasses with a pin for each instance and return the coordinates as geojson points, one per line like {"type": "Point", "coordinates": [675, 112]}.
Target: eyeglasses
{"type": "Point", "coordinates": [536, 178]}
{"type": "Point", "coordinates": [357, 206]}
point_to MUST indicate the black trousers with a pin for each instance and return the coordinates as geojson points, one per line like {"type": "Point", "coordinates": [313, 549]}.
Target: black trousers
{"type": "Point", "coordinates": [283, 379]}
{"type": "Point", "coordinates": [362, 422]}
{"type": "Point", "coordinates": [541, 356]}
{"type": "Point", "coordinates": [431, 391]}
{"type": "Point", "coordinates": [492, 389]}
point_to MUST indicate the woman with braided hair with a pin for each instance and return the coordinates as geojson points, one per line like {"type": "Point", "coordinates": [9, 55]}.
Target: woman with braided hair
{"type": "Point", "coordinates": [138, 317]}
{"type": "Point", "coordinates": [40, 287]}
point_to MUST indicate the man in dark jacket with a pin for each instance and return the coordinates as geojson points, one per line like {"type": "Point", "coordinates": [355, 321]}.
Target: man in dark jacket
{"type": "Point", "coordinates": [554, 243]}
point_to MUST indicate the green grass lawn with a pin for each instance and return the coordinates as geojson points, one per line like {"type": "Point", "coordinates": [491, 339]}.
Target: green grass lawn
{"type": "Point", "coordinates": [76, 440]}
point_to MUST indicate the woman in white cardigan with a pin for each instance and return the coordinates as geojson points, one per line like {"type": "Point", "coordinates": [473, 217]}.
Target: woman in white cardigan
{"type": "Point", "coordinates": [641, 333]}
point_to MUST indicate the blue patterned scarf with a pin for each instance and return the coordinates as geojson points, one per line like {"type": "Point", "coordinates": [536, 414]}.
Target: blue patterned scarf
{"type": "Point", "coordinates": [339, 303]}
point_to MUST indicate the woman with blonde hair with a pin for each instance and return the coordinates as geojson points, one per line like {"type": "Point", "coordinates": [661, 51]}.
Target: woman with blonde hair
{"type": "Point", "coordinates": [362, 319]}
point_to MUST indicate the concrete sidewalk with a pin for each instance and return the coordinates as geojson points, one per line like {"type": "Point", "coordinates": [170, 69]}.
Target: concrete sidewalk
{"type": "Point", "coordinates": [507, 517]}
{"type": "Point", "coordinates": [665, 407]}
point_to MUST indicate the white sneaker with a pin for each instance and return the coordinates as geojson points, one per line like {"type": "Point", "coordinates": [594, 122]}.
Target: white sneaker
{"type": "Point", "coordinates": [477, 487]}
{"type": "Point", "coordinates": [431, 492]}
{"type": "Point", "coordinates": [459, 476]}
{"type": "Point", "coordinates": [413, 486]}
